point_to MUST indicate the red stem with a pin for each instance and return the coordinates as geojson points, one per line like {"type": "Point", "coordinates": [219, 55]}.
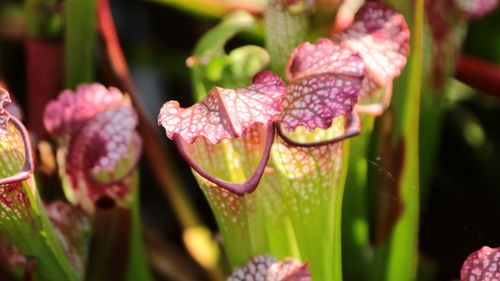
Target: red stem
{"type": "Point", "coordinates": [44, 73]}
{"type": "Point", "coordinates": [479, 74]}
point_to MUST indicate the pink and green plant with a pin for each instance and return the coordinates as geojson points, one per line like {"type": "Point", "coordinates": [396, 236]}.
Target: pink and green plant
{"type": "Point", "coordinates": [271, 158]}
{"type": "Point", "coordinates": [24, 221]}
{"type": "Point", "coordinates": [278, 139]}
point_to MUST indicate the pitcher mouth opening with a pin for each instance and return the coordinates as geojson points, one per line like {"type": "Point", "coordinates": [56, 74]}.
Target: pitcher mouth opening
{"type": "Point", "coordinates": [237, 188]}
{"type": "Point", "coordinates": [352, 128]}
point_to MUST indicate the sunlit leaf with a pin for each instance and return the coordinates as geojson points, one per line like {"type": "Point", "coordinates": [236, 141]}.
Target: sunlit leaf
{"type": "Point", "coordinates": [210, 65]}
{"type": "Point", "coordinates": [298, 6]}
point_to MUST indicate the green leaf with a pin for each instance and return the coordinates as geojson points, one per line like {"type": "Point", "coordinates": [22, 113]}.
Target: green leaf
{"type": "Point", "coordinates": [79, 36]}
{"type": "Point", "coordinates": [213, 41]}
{"type": "Point", "coordinates": [43, 18]}
{"type": "Point", "coordinates": [244, 62]}
{"type": "Point", "coordinates": [213, 9]}
{"type": "Point", "coordinates": [356, 248]}
{"type": "Point", "coordinates": [210, 65]}
{"type": "Point", "coordinates": [138, 268]}
{"type": "Point", "coordinates": [396, 258]}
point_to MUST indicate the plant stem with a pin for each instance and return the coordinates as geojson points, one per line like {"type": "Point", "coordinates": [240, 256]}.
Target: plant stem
{"type": "Point", "coordinates": [138, 266]}
{"type": "Point", "coordinates": [355, 220]}
{"type": "Point", "coordinates": [80, 18]}
{"type": "Point", "coordinates": [479, 74]}
{"type": "Point", "coordinates": [396, 258]}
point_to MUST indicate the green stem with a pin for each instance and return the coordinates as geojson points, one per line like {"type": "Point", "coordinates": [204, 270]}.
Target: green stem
{"type": "Point", "coordinates": [355, 219]}
{"type": "Point", "coordinates": [80, 19]}
{"type": "Point", "coordinates": [42, 19]}
{"type": "Point", "coordinates": [336, 213]}
{"type": "Point", "coordinates": [211, 8]}
{"type": "Point", "coordinates": [284, 32]}
{"type": "Point", "coordinates": [138, 268]}
{"type": "Point", "coordinates": [396, 258]}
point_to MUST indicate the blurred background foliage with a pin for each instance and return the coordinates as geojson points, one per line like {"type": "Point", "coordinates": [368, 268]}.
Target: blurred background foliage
{"type": "Point", "coordinates": [459, 209]}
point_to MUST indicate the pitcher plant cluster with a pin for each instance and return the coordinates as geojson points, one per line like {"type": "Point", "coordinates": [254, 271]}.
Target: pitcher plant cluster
{"type": "Point", "coordinates": [268, 141]}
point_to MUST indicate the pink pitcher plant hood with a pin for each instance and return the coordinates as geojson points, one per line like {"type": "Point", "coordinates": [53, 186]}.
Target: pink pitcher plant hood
{"type": "Point", "coordinates": [250, 153]}
{"type": "Point", "coordinates": [255, 155]}
{"type": "Point", "coordinates": [310, 100]}
{"type": "Point", "coordinates": [227, 114]}
{"type": "Point", "coordinates": [95, 127]}
{"type": "Point", "coordinates": [380, 35]}
{"type": "Point", "coordinates": [324, 83]}
{"type": "Point", "coordinates": [472, 9]}
{"type": "Point", "coordinates": [482, 265]}
{"type": "Point", "coordinates": [267, 267]}
{"type": "Point", "coordinates": [263, 185]}
{"type": "Point", "coordinates": [224, 113]}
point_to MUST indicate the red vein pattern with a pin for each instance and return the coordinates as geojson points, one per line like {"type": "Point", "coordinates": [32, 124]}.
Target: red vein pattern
{"type": "Point", "coordinates": [482, 265]}
{"type": "Point", "coordinates": [268, 268]}
{"type": "Point", "coordinates": [72, 228]}
{"type": "Point", "coordinates": [323, 57]}
{"type": "Point", "coordinates": [103, 146]}
{"type": "Point", "coordinates": [381, 36]}
{"type": "Point", "coordinates": [472, 9]}
{"type": "Point", "coordinates": [225, 113]}
{"type": "Point", "coordinates": [72, 110]}
{"type": "Point", "coordinates": [4, 115]}
{"type": "Point", "coordinates": [325, 80]}
{"type": "Point", "coordinates": [314, 101]}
